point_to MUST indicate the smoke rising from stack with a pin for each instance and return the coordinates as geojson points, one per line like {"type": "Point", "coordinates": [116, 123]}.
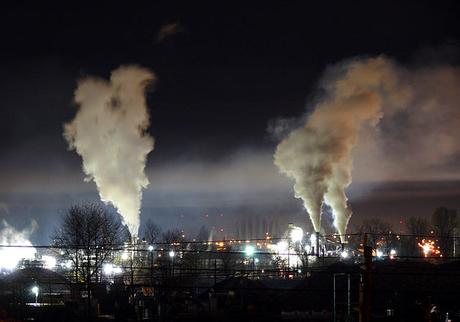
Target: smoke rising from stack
{"type": "Point", "coordinates": [318, 155]}
{"type": "Point", "coordinates": [109, 133]}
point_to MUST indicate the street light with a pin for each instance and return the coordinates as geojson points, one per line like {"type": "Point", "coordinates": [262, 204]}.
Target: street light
{"type": "Point", "coordinates": [171, 255]}
{"type": "Point", "coordinates": [151, 264]}
{"type": "Point", "coordinates": [35, 291]}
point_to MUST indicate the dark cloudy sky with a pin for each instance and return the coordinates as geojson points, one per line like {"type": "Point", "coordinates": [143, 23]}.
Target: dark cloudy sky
{"type": "Point", "coordinates": [225, 72]}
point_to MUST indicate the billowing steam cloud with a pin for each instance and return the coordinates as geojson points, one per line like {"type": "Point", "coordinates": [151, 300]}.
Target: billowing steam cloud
{"type": "Point", "coordinates": [11, 256]}
{"type": "Point", "coordinates": [109, 132]}
{"type": "Point", "coordinates": [318, 155]}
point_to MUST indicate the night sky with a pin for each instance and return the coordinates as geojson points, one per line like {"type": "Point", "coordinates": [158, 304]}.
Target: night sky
{"type": "Point", "coordinates": [225, 73]}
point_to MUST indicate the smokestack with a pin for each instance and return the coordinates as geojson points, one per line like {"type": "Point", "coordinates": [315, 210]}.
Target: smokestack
{"type": "Point", "coordinates": [318, 155]}
{"type": "Point", "coordinates": [109, 132]}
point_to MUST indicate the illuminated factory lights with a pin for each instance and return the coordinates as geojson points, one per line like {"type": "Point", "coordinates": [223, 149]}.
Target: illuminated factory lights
{"type": "Point", "coordinates": [110, 269]}
{"type": "Point", "coordinates": [11, 256]}
{"type": "Point", "coordinates": [429, 247]}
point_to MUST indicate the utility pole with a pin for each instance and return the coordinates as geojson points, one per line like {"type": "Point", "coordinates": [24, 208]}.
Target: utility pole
{"type": "Point", "coordinates": [365, 289]}
{"type": "Point", "coordinates": [349, 297]}
{"type": "Point", "coordinates": [335, 295]}
{"type": "Point", "coordinates": [151, 268]}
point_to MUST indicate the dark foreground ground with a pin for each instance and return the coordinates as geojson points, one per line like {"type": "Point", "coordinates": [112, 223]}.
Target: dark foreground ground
{"type": "Point", "coordinates": [400, 291]}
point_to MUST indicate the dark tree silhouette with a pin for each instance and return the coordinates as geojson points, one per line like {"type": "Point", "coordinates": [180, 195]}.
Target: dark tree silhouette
{"type": "Point", "coordinates": [445, 223]}
{"type": "Point", "coordinates": [152, 232]}
{"type": "Point", "coordinates": [418, 226]}
{"type": "Point", "coordinates": [420, 229]}
{"type": "Point", "coordinates": [379, 234]}
{"type": "Point", "coordinates": [171, 236]}
{"type": "Point", "coordinates": [87, 236]}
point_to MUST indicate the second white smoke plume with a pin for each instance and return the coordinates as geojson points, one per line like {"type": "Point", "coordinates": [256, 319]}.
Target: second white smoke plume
{"type": "Point", "coordinates": [109, 132]}
{"type": "Point", "coordinates": [318, 155]}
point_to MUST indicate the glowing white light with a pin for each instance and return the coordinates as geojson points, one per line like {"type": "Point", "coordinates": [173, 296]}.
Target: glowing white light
{"type": "Point", "coordinates": [379, 253]}
{"type": "Point", "coordinates": [107, 269]}
{"type": "Point", "coordinates": [249, 250]}
{"type": "Point", "coordinates": [296, 234]}
{"type": "Point", "coordinates": [110, 269]}
{"type": "Point", "coordinates": [344, 254]}
{"type": "Point", "coordinates": [426, 249]}
{"type": "Point", "coordinates": [282, 246]}
{"type": "Point", "coordinates": [150, 248]}
{"type": "Point", "coordinates": [124, 256]}
{"type": "Point", "coordinates": [256, 260]}
{"type": "Point", "coordinates": [392, 254]}
{"type": "Point", "coordinates": [172, 254]}
{"type": "Point", "coordinates": [307, 248]}
{"type": "Point", "coordinates": [49, 262]}
{"type": "Point", "coordinates": [35, 291]}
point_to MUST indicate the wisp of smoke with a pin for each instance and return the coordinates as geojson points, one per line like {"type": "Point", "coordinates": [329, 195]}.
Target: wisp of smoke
{"type": "Point", "coordinates": [318, 155]}
{"type": "Point", "coordinates": [10, 256]}
{"type": "Point", "coordinates": [109, 132]}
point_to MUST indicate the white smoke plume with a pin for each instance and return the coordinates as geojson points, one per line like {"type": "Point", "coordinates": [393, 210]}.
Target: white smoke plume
{"type": "Point", "coordinates": [9, 236]}
{"type": "Point", "coordinates": [318, 155]}
{"type": "Point", "coordinates": [109, 132]}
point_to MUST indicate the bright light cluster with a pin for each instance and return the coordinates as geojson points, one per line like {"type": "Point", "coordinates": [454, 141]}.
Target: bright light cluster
{"type": "Point", "coordinates": [49, 262]}
{"type": "Point", "coordinates": [429, 248]}
{"type": "Point", "coordinates": [110, 269]}
{"type": "Point", "coordinates": [286, 252]}
{"type": "Point", "coordinates": [9, 236]}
